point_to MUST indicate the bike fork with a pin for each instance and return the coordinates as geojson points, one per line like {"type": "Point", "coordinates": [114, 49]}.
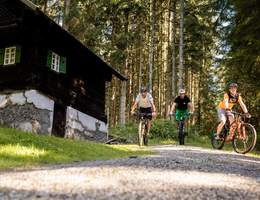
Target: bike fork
{"type": "Point", "coordinates": [181, 133]}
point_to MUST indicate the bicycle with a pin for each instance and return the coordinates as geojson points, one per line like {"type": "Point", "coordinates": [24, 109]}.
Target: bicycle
{"type": "Point", "coordinates": [181, 129]}
{"type": "Point", "coordinates": [143, 128]}
{"type": "Point", "coordinates": [244, 138]}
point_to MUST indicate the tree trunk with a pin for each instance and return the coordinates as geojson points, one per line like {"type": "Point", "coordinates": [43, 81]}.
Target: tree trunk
{"type": "Point", "coordinates": [181, 67]}
{"type": "Point", "coordinates": [151, 49]}
{"type": "Point", "coordinates": [122, 115]}
{"type": "Point", "coordinates": [173, 33]}
{"type": "Point", "coordinates": [66, 14]}
{"type": "Point", "coordinates": [123, 103]}
{"type": "Point", "coordinates": [45, 6]}
{"type": "Point", "coordinates": [140, 70]}
{"type": "Point", "coordinates": [108, 103]}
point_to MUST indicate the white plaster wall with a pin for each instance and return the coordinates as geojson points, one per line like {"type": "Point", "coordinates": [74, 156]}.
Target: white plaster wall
{"type": "Point", "coordinates": [51, 121]}
{"type": "Point", "coordinates": [30, 96]}
{"type": "Point", "coordinates": [18, 98]}
{"type": "Point", "coordinates": [42, 102]}
{"type": "Point", "coordinates": [3, 101]}
{"type": "Point", "coordinates": [39, 100]}
{"type": "Point", "coordinates": [87, 121]}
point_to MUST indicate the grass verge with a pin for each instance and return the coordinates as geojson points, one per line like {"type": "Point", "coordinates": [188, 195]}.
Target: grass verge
{"type": "Point", "coordinates": [20, 149]}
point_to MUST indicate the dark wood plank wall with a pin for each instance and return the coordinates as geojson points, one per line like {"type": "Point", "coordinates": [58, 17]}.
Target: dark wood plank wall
{"type": "Point", "coordinates": [36, 35]}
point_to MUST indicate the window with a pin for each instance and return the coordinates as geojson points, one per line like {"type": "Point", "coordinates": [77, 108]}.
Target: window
{"type": "Point", "coordinates": [9, 57]}
{"type": "Point", "coordinates": [56, 62]}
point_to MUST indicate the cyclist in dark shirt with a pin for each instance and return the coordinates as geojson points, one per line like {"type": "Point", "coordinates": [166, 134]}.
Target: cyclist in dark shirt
{"type": "Point", "coordinates": [182, 102]}
{"type": "Point", "coordinates": [182, 106]}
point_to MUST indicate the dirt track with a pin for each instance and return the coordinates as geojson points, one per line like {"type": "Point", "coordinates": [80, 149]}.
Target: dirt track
{"type": "Point", "coordinates": [174, 173]}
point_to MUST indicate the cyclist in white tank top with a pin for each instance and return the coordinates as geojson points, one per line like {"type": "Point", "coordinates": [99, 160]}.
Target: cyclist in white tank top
{"type": "Point", "coordinates": [145, 104]}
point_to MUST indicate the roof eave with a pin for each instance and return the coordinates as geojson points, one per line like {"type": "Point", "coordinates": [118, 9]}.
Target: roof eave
{"type": "Point", "coordinates": [118, 75]}
{"type": "Point", "coordinates": [30, 4]}
{"type": "Point", "coordinates": [36, 8]}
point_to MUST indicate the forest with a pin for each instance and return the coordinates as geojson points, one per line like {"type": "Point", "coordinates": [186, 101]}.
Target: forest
{"type": "Point", "coordinates": [199, 45]}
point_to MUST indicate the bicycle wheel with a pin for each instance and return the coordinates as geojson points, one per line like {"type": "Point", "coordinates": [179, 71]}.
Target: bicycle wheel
{"type": "Point", "coordinates": [218, 144]}
{"type": "Point", "coordinates": [247, 141]}
{"type": "Point", "coordinates": [141, 130]}
{"type": "Point", "coordinates": [181, 133]}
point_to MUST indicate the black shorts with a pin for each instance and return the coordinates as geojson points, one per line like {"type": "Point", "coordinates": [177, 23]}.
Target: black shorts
{"type": "Point", "coordinates": [146, 111]}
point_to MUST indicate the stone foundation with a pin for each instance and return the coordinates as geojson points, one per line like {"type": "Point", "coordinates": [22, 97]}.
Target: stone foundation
{"type": "Point", "coordinates": [33, 112]}
{"type": "Point", "coordinates": [27, 110]}
{"type": "Point", "coordinates": [83, 126]}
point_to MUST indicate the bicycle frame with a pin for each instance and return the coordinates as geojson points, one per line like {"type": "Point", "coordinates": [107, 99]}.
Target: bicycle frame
{"type": "Point", "coordinates": [144, 121]}
{"type": "Point", "coordinates": [243, 135]}
{"type": "Point", "coordinates": [143, 128]}
{"type": "Point", "coordinates": [143, 117]}
{"type": "Point", "coordinates": [181, 130]}
{"type": "Point", "coordinates": [236, 124]}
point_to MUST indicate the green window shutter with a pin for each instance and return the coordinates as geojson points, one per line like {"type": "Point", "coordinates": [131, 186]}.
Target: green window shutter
{"type": "Point", "coordinates": [18, 54]}
{"type": "Point", "coordinates": [49, 58]}
{"type": "Point", "coordinates": [63, 65]}
{"type": "Point", "coordinates": [2, 55]}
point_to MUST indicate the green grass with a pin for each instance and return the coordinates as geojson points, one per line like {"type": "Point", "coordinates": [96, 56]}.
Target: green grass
{"type": "Point", "coordinates": [20, 149]}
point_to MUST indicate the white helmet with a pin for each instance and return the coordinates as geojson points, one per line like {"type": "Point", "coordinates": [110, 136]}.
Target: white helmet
{"type": "Point", "coordinates": [181, 91]}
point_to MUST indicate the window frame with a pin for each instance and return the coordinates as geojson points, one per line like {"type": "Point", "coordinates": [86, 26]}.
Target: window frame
{"type": "Point", "coordinates": [55, 62]}
{"type": "Point", "coordinates": [10, 55]}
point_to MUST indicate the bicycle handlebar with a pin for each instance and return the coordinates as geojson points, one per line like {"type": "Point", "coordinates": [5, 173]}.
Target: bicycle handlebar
{"type": "Point", "coordinates": [172, 114]}
{"type": "Point", "coordinates": [145, 114]}
{"type": "Point", "coordinates": [241, 114]}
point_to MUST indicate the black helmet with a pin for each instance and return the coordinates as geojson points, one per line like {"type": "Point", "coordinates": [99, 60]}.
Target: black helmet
{"type": "Point", "coordinates": [143, 89]}
{"type": "Point", "coordinates": [232, 85]}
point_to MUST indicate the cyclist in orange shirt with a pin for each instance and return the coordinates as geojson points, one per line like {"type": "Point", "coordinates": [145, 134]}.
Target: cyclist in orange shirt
{"type": "Point", "coordinates": [230, 99]}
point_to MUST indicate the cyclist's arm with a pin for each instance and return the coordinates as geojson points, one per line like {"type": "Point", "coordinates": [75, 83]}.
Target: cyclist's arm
{"type": "Point", "coordinates": [226, 101]}
{"type": "Point", "coordinates": [152, 103]}
{"type": "Point", "coordinates": [153, 107]}
{"type": "Point", "coordinates": [241, 103]}
{"type": "Point", "coordinates": [135, 103]}
{"type": "Point", "coordinates": [134, 106]}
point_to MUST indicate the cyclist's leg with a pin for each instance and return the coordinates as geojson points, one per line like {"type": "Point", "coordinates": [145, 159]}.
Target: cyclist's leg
{"type": "Point", "coordinates": [240, 131]}
{"type": "Point", "coordinates": [149, 123]}
{"type": "Point", "coordinates": [186, 113]}
{"type": "Point", "coordinates": [220, 126]}
{"type": "Point", "coordinates": [177, 118]}
{"type": "Point", "coordinates": [148, 111]}
{"type": "Point", "coordinates": [180, 115]}
{"type": "Point", "coordinates": [233, 127]}
{"type": "Point", "coordinates": [222, 120]}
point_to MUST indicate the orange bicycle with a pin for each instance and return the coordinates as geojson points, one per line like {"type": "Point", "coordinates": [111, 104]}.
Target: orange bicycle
{"type": "Point", "coordinates": [244, 138]}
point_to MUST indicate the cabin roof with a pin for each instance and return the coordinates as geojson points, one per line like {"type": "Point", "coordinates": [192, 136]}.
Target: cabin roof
{"type": "Point", "coordinates": [30, 4]}
{"type": "Point", "coordinates": [36, 10]}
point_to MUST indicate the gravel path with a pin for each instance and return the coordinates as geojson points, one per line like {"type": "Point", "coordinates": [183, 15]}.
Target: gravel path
{"type": "Point", "coordinates": [174, 173]}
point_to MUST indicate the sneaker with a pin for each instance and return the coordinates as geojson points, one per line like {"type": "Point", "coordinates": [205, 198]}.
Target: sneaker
{"type": "Point", "coordinates": [216, 136]}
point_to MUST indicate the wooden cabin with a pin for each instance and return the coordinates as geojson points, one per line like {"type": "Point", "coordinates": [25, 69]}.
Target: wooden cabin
{"type": "Point", "coordinates": [49, 81]}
